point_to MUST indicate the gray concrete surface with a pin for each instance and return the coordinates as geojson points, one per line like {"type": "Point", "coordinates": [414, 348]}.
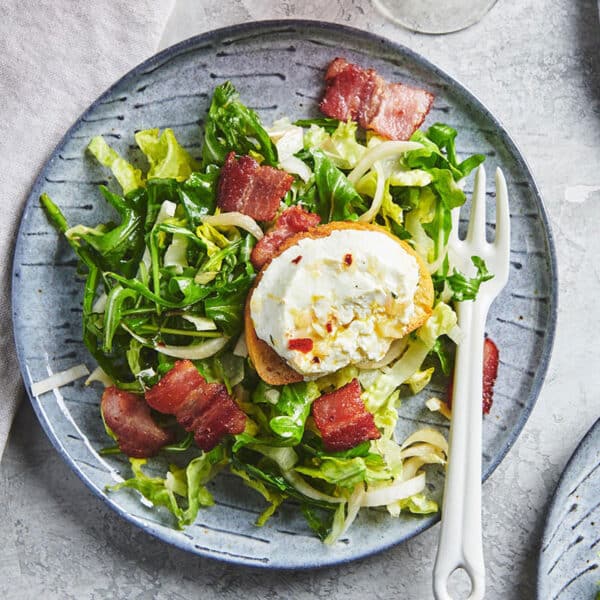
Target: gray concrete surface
{"type": "Point", "coordinates": [535, 63]}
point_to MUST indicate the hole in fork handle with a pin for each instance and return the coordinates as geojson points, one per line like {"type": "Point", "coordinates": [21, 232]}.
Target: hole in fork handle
{"type": "Point", "coordinates": [460, 584]}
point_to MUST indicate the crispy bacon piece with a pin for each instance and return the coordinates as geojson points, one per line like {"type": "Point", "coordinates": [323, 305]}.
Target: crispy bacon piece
{"type": "Point", "coordinates": [173, 389]}
{"type": "Point", "coordinates": [291, 221]}
{"type": "Point", "coordinates": [249, 188]}
{"type": "Point", "coordinates": [393, 110]}
{"type": "Point", "coordinates": [204, 408]}
{"type": "Point", "coordinates": [128, 416]}
{"type": "Point", "coordinates": [342, 419]}
{"type": "Point", "coordinates": [490, 372]}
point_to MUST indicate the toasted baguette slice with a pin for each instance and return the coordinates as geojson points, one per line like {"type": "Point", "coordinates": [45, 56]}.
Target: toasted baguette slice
{"type": "Point", "coordinates": [269, 365]}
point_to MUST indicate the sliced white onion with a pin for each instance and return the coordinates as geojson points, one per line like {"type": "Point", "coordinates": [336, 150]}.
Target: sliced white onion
{"type": "Point", "coordinates": [235, 219]}
{"type": "Point", "coordinates": [397, 347]}
{"type": "Point", "coordinates": [176, 254]}
{"type": "Point", "coordinates": [241, 348]}
{"type": "Point", "coordinates": [436, 405]}
{"type": "Point", "coordinates": [410, 467]}
{"type": "Point", "coordinates": [98, 374]}
{"type": "Point", "coordinates": [381, 151]}
{"type": "Point", "coordinates": [272, 396]}
{"type": "Point", "coordinates": [290, 142]}
{"type": "Point", "coordinates": [195, 351]}
{"type": "Point", "coordinates": [384, 495]}
{"type": "Point", "coordinates": [59, 379]}
{"type": "Point", "coordinates": [286, 458]}
{"type": "Point", "coordinates": [166, 211]}
{"type": "Point", "coordinates": [307, 490]}
{"type": "Point", "coordinates": [292, 164]}
{"type": "Point", "coordinates": [368, 216]}
{"type": "Point", "coordinates": [426, 451]}
{"type": "Point", "coordinates": [200, 323]}
{"type": "Point", "coordinates": [354, 505]}
{"type": "Point", "coordinates": [429, 436]}
{"type": "Point", "coordinates": [100, 304]}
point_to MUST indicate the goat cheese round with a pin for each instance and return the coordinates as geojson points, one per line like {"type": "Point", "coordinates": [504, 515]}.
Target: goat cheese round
{"type": "Point", "coordinates": [328, 302]}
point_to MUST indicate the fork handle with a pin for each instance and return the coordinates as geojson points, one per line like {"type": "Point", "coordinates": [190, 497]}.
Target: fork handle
{"type": "Point", "coordinates": [460, 544]}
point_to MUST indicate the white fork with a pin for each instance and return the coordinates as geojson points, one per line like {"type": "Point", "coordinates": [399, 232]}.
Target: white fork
{"type": "Point", "coordinates": [460, 544]}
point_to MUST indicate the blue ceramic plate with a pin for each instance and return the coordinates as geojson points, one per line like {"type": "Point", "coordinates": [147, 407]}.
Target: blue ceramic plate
{"type": "Point", "coordinates": [278, 68]}
{"type": "Point", "coordinates": [569, 564]}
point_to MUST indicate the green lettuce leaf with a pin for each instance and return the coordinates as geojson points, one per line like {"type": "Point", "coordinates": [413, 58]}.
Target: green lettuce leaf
{"type": "Point", "coordinates": [182, 491]}
{"type": "Point", "coordinates": [340, 146]}
{"type": "Point", "coordinates": [167, 159]}
{"type": "Point", "coordinates": [125, 173]}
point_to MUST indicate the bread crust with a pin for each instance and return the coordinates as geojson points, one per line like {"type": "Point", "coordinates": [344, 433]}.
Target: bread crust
{"type": "Point", "coordinates": [268, 364]}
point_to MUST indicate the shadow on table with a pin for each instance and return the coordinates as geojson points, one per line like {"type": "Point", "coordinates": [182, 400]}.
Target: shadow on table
{"type": "Point", "coordinates": [588, 37]}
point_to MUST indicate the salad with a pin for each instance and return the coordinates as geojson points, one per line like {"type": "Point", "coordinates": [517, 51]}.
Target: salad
{"type": "Point", "coordinates": [174, 291]}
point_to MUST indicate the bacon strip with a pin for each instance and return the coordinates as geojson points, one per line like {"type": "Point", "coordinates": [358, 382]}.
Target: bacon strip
{"type": "Point", "coordinates": [491, 358]}
{"type": "Point", "coordinates": [249, 188]}
{"type": "Point", "coordinates": [128, 416]}
{"type": "Point", "coordinates": [490, 372]}
{"type": "Point", "coordinates": [393, 110]}
{"type": "Point", "coordinates": [291, 221]}
{"type": "Point", "coordinates": [204, 408]}
{"type": "Point", "coordinates": [342, 419]}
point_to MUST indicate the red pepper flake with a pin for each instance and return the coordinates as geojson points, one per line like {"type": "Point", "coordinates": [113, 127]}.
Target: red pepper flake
{"type": "Point", "coordinates": [301, 344]}
{"type": "Point", "coordinates": [329, 327]}
{"type": "Point", "coordinates": [348, 259]}
{"type": "Point", "coordinates": [316, 360]}
{"type": "Point", "coordinates": [297, 259]}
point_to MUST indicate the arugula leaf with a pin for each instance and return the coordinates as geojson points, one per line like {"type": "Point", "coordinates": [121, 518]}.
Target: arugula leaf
{"type": "Point", "coordinates": [198, 195]}
{"type": "Point", "coordinates": [232, 127]}
{"type": "Point", "coordinates": [466, 288]}
{"type": "Point", "coordinates": [337, 199]}
{"type": "Point", "coordinates": [436, 140]}
{"type": "Point", "coordinates": [119, 248]}
{"type": "Point", "coordinates": [327, 123]}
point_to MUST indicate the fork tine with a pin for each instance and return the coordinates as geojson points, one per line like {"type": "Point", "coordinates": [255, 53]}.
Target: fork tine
{"type": "Point", "coordinates": [502, 240]}
{"type": "Point", "coordinates": [453, 237]}
{"type": "Point", "coordinates": [476, 231]}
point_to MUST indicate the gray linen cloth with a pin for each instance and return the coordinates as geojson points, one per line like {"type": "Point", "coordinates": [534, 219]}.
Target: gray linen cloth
{"type": "Point", "coordinates": [56, 57]}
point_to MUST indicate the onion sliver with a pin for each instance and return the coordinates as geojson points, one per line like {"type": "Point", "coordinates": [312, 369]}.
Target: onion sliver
{"type": "Point", "coordinates": [307, 490]}
{"type": "Point", "coordinates": [59, 379]}
{"type": "Point", "coordinates": [237, 219]}
{"type": "Point", "coordinates": [429, 436]}
{"type": "Point", "coordinates": [195, 351]}
{"type": "Point", "coordinates": [397, 347]}
{"type": "Point", "coordinates": [98, 374]}
{"type": "Point", "coordinates": [380, 152]}
{"type": "Point", "coordinates": [241, 348]}
{"type": "Point", "coordinates": [384, 495]}
{"type": "Point", "coordinates": [378, 198]}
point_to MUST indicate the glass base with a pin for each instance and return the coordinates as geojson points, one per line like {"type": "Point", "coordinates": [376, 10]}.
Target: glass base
{"type": "Point", "coordinates": [434, 16]}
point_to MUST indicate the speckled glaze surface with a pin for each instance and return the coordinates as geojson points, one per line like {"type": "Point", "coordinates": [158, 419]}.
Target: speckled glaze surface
{"type": "Point", "coordinates": [278, 69]}
{"type": "Point", "coordinates": [569, 565]}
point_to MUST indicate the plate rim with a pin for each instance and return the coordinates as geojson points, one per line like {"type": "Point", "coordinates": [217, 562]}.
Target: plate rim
{"type": "Point", "coordinates": [570, 464]}
{"type": "Point", "coordinates": [290, 26]}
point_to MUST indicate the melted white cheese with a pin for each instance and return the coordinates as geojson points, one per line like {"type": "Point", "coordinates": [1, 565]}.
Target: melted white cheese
{"type": "Point", "coordinates": [351, 293]}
